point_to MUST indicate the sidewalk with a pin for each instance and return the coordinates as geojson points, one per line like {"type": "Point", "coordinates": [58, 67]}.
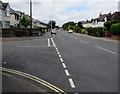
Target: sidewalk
{"type": "Point", "coordinates": [107, 39]}
{"type": "Point", "coordinates": [12, 83]}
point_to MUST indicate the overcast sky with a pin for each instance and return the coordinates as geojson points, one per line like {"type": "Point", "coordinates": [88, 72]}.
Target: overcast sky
{"type": "Point", "coordinates": [65, 10]}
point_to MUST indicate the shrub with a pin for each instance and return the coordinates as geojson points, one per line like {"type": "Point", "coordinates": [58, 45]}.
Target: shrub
{"type": "Point", "coordinates": [83, 31]}
{"type": "Point", "coordinates": [70, 27]}
{"type": "Point", "coordinates": [96, 31]}
{"type": "Point", "coordinates": [115, 29]}
{"type": "Point", "coordinates": [76, 28]}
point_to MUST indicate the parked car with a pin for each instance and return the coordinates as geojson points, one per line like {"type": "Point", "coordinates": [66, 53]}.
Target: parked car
{"type": "Point", "coordinates": [70, 31]}
{"type": "Point", "coordinates": [53, 31]}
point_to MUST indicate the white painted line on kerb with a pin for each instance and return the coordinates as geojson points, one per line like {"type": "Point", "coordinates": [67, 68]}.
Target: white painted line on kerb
{"type": "Point", "coordinates": [60, 56]}
{"type": "Point", "coordinates": [71, 83]}
{"type": "Point", "coordinates": [48, 42]}
{"type": "Point", "coordinates": [64, 66]}
{"type": "Point", "coordinates": [61, 60]}
{"type": "Point", "coordinates": [84, 41]}
{"type": "Point", "coordinates": [106, 49]}
{"type": "Point", "coordinates": [67, 73]}
{"type": "Point", "coordinates": [53, 42]}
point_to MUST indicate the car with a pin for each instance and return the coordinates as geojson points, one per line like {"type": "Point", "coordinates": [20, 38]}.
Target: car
{"type": "Point", "coordinates": [70, 31]}
{"type": "Point", "coordinates": [53, 31]}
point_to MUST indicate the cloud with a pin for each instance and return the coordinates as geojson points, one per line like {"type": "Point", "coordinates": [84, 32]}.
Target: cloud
{"type": "Point", "coordinates": [65, 10]}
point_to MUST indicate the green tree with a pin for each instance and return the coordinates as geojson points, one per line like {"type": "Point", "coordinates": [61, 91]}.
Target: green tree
{"type": "Point", "coordinates": [80, 24]}
{"type": "Point", "coordinates": [51, 23]}
{"type": "Point", "coordinates": [24, 21]}
{"type": "Point", "coordinates": [65, 25]}
{"type": "Point", "coordinates": [76, 28]}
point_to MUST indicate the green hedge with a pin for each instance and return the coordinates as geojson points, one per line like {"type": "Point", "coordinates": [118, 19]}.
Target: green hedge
{"type": "Point", "coordinates": [96, 31]}
{"type": "Point", "coordinates": [115, 29]}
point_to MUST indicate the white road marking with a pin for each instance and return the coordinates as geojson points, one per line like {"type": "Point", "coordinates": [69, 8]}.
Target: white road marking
{"type": "Point", "coordinates": [60, 56]}
{"type": "Point", "coordinates": [67, 73]}
{"type": "Point", "coordinates": [58, 53]}
{"type": "Point", "coordinates": [4, 62]}
{"type": "Point", "coordinates": [71, 83]}
{"type": "Point", "coordinates": [105, 49]}
{"type": "Point", "coordinates": [53, 42]}
{"type": "Point", "coordinates": [64, 66]}
{"type": "Point", "coordinates": [31, 46]}
{"type": "Point", "coordinates": [48, 42]}
{"type": "Point", "coordinates": [84, 41]}
{"type": "Point", "coordinates": [61, 60]}
{"type": "Point", "coordinates": [57, 50]}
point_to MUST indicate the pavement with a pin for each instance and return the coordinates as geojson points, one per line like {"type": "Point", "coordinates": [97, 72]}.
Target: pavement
{"type": "Point", "coordinates": [73, 63]}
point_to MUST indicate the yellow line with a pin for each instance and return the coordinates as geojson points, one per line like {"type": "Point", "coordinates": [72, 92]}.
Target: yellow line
{"type": "Point", "coordinates": [34, 78]}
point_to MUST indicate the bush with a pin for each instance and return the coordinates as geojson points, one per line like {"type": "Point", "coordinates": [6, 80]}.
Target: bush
{"type": "Point", "coordinates": [115, 29]}
{"type": "Point", "coordinates": [70, 27]}
{"type": "Point", "coordinates": [83, 31]}
{"type": "Point", "coordinates": [76, 28]}
{"type": "Point", "coordinates": [96, 31]}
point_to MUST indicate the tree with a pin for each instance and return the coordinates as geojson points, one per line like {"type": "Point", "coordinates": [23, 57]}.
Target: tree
{"type": "Point", "coordinates": [76, 28]}
{"type": "Point", "coordinates": [24, 21]}
{"type": "Point", "coordinates": [65, 25]}
{"type": "Point", "coordinates": [80, 24]}
{"type": "Point", "coordinates": [51, 23]}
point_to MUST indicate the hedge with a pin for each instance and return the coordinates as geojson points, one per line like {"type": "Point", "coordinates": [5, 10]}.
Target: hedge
{"type": "Point", "coordinates": [115, 29]}
{"type": "Point", "coordinates": [96, 31]}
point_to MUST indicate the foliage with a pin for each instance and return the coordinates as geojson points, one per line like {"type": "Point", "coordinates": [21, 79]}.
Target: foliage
{"type": "Point", "coordinates": [96, 31]}
{"type": "Point", "coordinates": [51, 23]}
{"type": "Point", "coordinates": [80, 24]}
{"type": "Point", "coordinates": [65, 26]}
{"type": "Point", "coordinates": [109, 23]}
{"type": "Point", "coordinates": [115, 29]}
{"type": "Point", "coordinates": [76, 29]}
{"type": "Point", "coordinates": [83, 31]}
{"type": "Point", "coordinates": [24, 21]}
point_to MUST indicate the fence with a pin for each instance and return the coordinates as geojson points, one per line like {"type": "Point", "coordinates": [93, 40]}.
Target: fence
{"type": "Point", "coordinates": [19, 32]}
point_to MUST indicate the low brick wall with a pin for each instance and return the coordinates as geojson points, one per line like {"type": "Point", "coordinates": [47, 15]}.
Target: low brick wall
{"type": "Point", "coordinates": [11, 32]}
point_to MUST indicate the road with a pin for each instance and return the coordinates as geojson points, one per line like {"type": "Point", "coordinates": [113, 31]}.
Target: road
{"type": "Point", "coordinates": [72, 62]}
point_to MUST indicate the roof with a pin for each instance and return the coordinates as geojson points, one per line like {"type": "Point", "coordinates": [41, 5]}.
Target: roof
{"type": "Point", "coordinates": [102, 17]}
{"type": "Point", "coordinates": [4, 5]}
{"type": "Point", "coordinates": [115, 16]}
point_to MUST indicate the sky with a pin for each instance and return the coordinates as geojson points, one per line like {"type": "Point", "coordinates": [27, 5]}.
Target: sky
{"type": "Point", "coordinates": [63, 11]}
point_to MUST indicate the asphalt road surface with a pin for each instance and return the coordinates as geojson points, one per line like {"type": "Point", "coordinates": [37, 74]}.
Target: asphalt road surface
{"type": "Point", "coordinates": [72, 62]}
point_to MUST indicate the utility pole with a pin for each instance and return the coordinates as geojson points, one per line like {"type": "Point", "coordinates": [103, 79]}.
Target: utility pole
{"type": "Point", "coordinates": [30, 13]}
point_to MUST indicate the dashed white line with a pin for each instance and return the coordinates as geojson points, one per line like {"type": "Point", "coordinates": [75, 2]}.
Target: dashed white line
{"type": "Point", "coordinates": [58, 53]}
{"type": "Point", "coordinates": [4, 62]}
{"type": "Point", "coordinates": [67, 73]}
{"type": "Point", "coordinates": [64, 66]}
{"type": "Point", "coordinates": [71, 83]}
{"type": "Point", "coordinates": [60, 56]}
{"type": "Point", "coordinates": [57, 50]}
{"type": "Point", "coordinates": [61, 60]}
{"type": "Point", "coordinates": [48, 42]}
{"type": "Point", "coordinates": [105, 49]}
{"type": "Point", "coordinates": [84, 41]}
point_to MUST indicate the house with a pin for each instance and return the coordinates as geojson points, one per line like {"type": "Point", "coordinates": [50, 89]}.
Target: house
{"type": "Point", "coordinates": [14, 17]}
{"type": "Point", "coordinates": [97, 22]}
{"type": "Point", "coordinates": [6, 15]}
{"type": "Point", "coordinates": [1, 23]}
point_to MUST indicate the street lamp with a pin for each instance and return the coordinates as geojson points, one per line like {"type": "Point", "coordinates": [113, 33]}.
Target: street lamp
{"type": "Point", "coordinates": [30, 13]}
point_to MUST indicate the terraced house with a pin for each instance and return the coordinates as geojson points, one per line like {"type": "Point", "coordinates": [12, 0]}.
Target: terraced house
{"type": "Point", "coordinates": [1, 14]}
{"type": "Point", "coordinates": [6, 15]}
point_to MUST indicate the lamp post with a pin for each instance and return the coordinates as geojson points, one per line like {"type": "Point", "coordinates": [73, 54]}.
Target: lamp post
{"type": "Point", "coordinates": [30, 13]}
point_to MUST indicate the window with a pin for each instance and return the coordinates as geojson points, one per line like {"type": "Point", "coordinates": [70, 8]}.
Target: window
{"type": "Point", "coordinates": [6, 24]}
